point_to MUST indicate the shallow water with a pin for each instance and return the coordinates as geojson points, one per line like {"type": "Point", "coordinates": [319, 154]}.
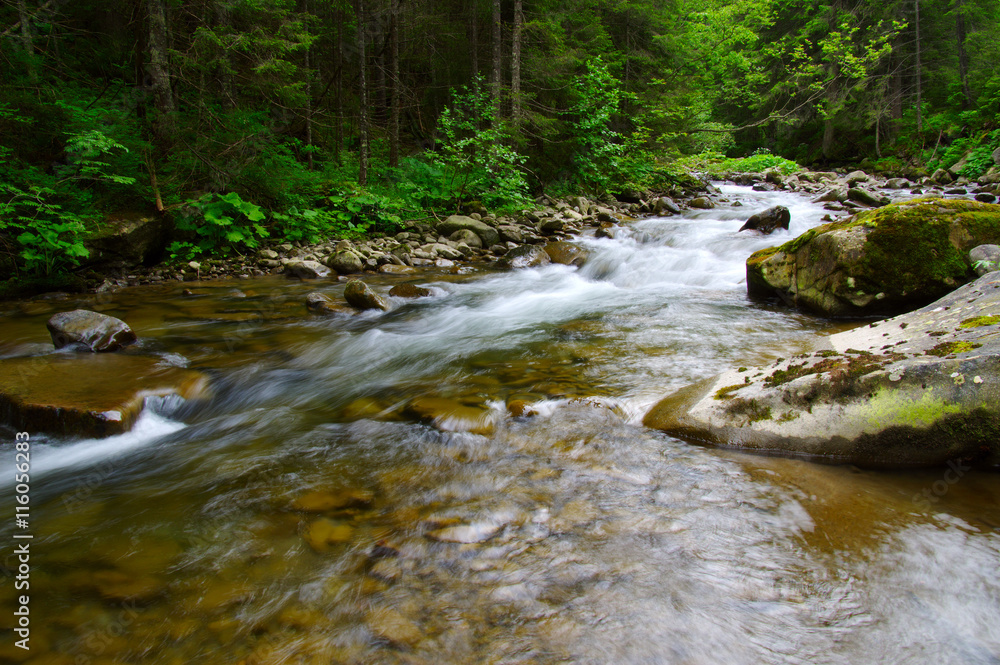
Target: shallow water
{"type": "Point", "coordinates": [300, 516]}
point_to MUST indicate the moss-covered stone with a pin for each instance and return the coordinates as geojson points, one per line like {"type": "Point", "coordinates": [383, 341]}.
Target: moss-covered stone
{"type": "Point", "coordinates": [878, 261]}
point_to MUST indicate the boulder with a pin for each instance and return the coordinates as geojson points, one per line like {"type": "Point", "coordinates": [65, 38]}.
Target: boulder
{"type": "Point", "coordinates": [566, 253]}
{"type": "Point", "coordinates": [307, 270]}
{"type": "Point", "coordinates": [89, 331]}
{"type": "Point", "coordinates": [985, 259]}
{"type": "Point", "coordinates": [701, 203]}
{"type": "Point", "coordinates": [358, 295]}
{"type": "Point", "coordinates": [525, 256]}
{"type": "Point", "coordinates": [487, 234]}
{"type": "Point", "coordinates": [393, 269]}
{"type": "Point", "coordinates": [866, 198]}
{"type": "Point", "coordinates": [466, 236]}
{"type": "Point", "coordinates": [897, 183]}
{"type": "Point", "coordinates": [409, 291]}
{"type": "Point", "coordinates": [551, 226]}
{"type": "Point", "coordinates": [128, 241]}
{"type": "Point", "coordinates": [89, 395]}
{"type": "Point", "coordinates": [769, 221]}
{"type": "Point", "coordinates": [510, 233]}
{"type": "Point", "coordinates": [918, 390]}
{"type": "Point", "coordinates": [663, 206]}
{"type": "Point", "coordinates": [345, 262]}
{"type": "Point", "coordinates": [878, 261]}
{"type": "Point", "coordinates": [833, 195]}
{"type": "Point", "coordinates": [322, 304]}
{"type": "Point", "coordinates": [996, 156]}
{"type": "Point", "coordinates": [942, 177]}
{"type": "Point", "coordinates": [855, 177]}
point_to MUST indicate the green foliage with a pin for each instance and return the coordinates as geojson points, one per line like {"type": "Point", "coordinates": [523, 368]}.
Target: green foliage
{"type": "Point", "coordinates": [475, 155]}
{"type": "Point", "coordinates": [981, 158]}
{"type": "Point", "coordinates": [597, 146]}
{"type": "Point", "coordinates": [48, 236]}
{"type": "Point", "coordinates": [717, 165]}
{"type": "Point", "coordinates": [347, 213]}
{"type": "Point", "coordinates": [221, 223]}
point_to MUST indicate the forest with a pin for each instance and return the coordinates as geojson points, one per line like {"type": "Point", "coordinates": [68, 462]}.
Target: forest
{"type": "Point", "coordinates": [253, 121]}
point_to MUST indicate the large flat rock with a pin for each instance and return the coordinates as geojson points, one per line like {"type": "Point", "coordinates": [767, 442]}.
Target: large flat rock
{"type": "Point", "coordinates": [919, 389]}
{"type": "Point", "coordinates": [87, 395]}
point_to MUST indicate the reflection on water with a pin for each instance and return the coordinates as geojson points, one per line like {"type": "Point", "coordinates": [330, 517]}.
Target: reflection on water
{"type": "Point", "coordinates": [301, 516]}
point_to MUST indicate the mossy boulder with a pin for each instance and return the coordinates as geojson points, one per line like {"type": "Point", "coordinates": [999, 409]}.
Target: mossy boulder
{"type": "Point", "coordinates": [128, 240]}
{"type": "Point", "coordinates": [881, 261]}
{"type": "Point", "coordinates": [920, 389]}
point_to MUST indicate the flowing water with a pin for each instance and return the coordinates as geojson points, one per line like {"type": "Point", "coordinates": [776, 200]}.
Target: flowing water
{"type": "Point", "coordinates": [300, 516]}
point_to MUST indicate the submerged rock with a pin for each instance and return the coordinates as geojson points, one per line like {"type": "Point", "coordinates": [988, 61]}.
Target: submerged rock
{"type": "Point", "coordinates": [90, 331]}
{"type": "Point", "coordinates": [452, 416]}
{"type": "Point", "coordinates": [323, 304]}
{"type": "Point", "coordinates": [769, 221]}
{"type": "Point", "coordinates": [409, 291]}
{"type": "Point", "coordinates": [916, 390]}
{"type": "Point", "coordinates": [885, 260]}
{"type": "Point", "coordinates": [87, 395]}
{"type": "Point", "coordinates": [360, 296]}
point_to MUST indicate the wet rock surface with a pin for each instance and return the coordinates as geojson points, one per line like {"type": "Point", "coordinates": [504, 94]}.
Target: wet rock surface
{"type": "Point", "coordinates": [84, 330]}
{"type": "Point", "coordinates": [359, 295]}
{"type": "Point", "coordinates": [915, 390]}
{"type": "Point", "coordinates": [87, 395]}
{"type": "Point", "coordinates": [769, 221]}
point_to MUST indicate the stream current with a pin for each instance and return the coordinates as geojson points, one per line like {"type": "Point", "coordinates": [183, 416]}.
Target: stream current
{"type": "Point", "coordinates": [298, 516]}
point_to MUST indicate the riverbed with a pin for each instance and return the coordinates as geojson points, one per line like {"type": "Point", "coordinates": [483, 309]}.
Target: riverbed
{"type": "Point", "coordinates": [300, 515]}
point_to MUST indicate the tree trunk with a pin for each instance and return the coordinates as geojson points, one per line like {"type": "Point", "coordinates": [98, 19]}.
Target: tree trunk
{"type": "Point", "coordinates": [338, 131]}
{"type": "Point", "coordinates": [362, 94]}
{"type": "Point", "coordinates": [159, 68]}
{"type": "Point", "coordinates": [394, 82]}
{"type": "Point", "coordinates": [497, 54]}
{"type": "Point", "coordinates": [963, 56]}
{"type": "Point", "coordinates": [473, 39]}
{"type": "Point", "coordinates": [515, 66]}
{"type": "Point", "coordinates": [27, 40]}
{"type": "Point", "coordinates": [308, 109]}
{"type": "Point", "coordinates": [916, 43]}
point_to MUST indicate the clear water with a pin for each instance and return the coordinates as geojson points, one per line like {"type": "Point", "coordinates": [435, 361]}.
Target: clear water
{"type": "Point", "coordinates": [597, 541]}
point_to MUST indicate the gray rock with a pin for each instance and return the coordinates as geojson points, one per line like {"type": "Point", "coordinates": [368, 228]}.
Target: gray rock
{"type": "Point", "coordinates": [855, 177]}
{"type": "Point", "coordinates": [89, 331]}
{"type": "Point", "coordinates": [701, 203]}
{"type": "Point", "coordinates": [917, 390]}
{"type": "Point", "coordinates": [510, 234]}
{"type": "Point", "coordinates": [769, 221]}
{"type": "Point", "coordinates": [487, 234]}
{"type": "Point", "coordinates": [566, 253]}
{"type": "Point", "coordinates": [941, 177]}
{"type": "Point", "coordinates": [307, 270]}
{"type": "Point", "coordinates": [832, 195]}
{"type": "Point", "coordinates": [358, 295]}
{"type": "Point", "coordinates": [985, 259]}
{"type": "Point", "coordinates": [897, 183]}
{"type": "Point", "coordinates": [525, 256]}
{"type": "Point", "coordinates": [267, 254]}
{"type": "Point", "coordinates": [662, 206]}
{"type": "Point", "coordinates": [986, 197]}
{"type": "Point", "coordinates": [345, 262]}
{"type": "Point", "coordinates": [865, 198]}
{"type": "Point", "coordinates": [551, 226]}
{"type": "Point", "coordinates": [996, 156]}
{"type": "Point", "coordinates": [322, 304]}
{"type": "Point", "coordinates": [468, 237]}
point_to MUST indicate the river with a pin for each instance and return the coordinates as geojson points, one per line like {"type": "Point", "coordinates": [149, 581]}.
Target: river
{"type": "Point", "coordinates": [299, 515]}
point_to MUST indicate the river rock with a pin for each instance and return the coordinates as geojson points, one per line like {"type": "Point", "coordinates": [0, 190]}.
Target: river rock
{"type": "Point", "coordinates": [566, 253]}
{"type": "Point", "coordinates": [345, 262]}
{"type": "Point", "coordinates": [307, 270]}
{"type": "Point", "coordinates": [525, 256]}
{"type": "Point", "coordinates": [449, 415]}
{"type": "Point", "coordinates": [832, 195]}
{"type": "Point", "coordinates": [917, 390]}
{"type": "Point", "coordinates": [357, 294]}
{"type": "Point", "coordinates": [866, 198]}
{"type": "Point", "coordinates": [390, 625]}
{"type": "Point", "coordinates": [701, 203]}
{"type": "Point", "coordinates": [662, 206]}
{"type": "Point", "coordinates": [942, 177]}
{"type": "Point", "coordinates": [886, 260]}
{"type": "Point", "coordinates": [468, 237]}
{"type": "Point", "coordinates": [897, 183]}
{"type": "Point", "coordinates": [487, 234]}
{"type": "Point", "coordinates": [89, 331]}
{"type": "Point", "coordinates": [409, 291]}
{"type": "Point", "coordinates": [855, 177]}
{"type": "Point", "coordinates": [128, 241]}
{"type": "Point", "coordinates": [985, 259]}
{"type": "Point", "coordinates": [552, 226]}
{"type": "Point", "coordinates": [769, 221]}
{"type": "Point", "coordinates": [89, 395]}
{"type": "Point", "coordinates": [322, 304]}
{"type": "Point", "coordinates": [394, 269]}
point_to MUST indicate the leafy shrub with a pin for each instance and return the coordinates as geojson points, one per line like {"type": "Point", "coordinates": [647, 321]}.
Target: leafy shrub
{"type": "Point", "coordinates": [221, 223]}
{"type": "Point", "coordinates": [717, 165]}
